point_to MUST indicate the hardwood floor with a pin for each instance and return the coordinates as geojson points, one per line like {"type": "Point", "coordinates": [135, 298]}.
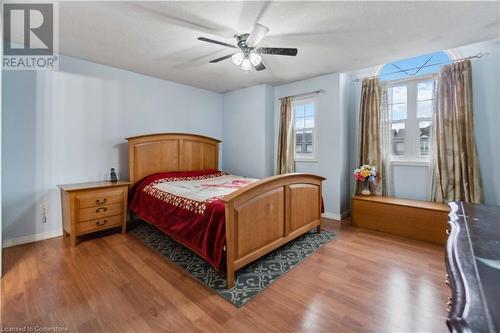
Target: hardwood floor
{"type": "Point", "coordinates": [362, 281]}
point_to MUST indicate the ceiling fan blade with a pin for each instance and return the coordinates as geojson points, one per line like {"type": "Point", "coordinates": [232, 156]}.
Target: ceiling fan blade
{"type": "Point", "coordinates": [208, 40]}
{"type": "Point", "coordinates": [260, 67]}
{"type": "Point", "coordinates": [257, 34]}
{"type": "Point", "coordinates": [277, 51]}
{"type": "Point", "coordinates": [221, 58]}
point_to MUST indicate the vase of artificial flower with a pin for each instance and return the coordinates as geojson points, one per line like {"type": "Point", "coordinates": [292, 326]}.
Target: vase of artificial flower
{"type": "Point", "coordinates": [365, 188]}
{"type": "Point", "coordinates": [365, 174]}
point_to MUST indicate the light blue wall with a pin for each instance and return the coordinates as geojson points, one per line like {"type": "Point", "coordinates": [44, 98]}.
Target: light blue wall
{"type": "Point", "coordinates": [69, 126]}
{"type": "Point", "coordinates": [412, 181]}
{"type": "Point", "coordinates": [345, 171]}
{"type": "Point", "coordinates": [251, 122]}
{"type": "Point", "coordinates": [332, 162]}
{"type": "Point", "coordinates": [248, 131]}
{"type": "Point", "coordinates": [486, 98]}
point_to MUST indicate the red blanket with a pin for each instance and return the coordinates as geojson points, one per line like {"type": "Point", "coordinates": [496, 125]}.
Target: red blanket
{"type": "Point", "coordinates": [197, 224]}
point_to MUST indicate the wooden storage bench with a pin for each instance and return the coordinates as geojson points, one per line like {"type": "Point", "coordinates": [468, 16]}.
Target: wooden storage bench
{"type": "Point", "coordinates": [420, 220]}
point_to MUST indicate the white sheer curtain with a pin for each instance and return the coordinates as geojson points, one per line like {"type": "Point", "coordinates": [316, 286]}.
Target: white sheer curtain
{"type": "Point", "coordinates": [432, 161]}
{"type": "Point", "coordinates": [386, 140]}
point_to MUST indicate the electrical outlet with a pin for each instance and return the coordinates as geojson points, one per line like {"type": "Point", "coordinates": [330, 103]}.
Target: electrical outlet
{"type": "Point", "coordinates": [44, 210]}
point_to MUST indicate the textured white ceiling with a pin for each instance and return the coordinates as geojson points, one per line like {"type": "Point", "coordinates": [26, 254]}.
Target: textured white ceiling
{"type": "Point", "coordinates": [159, 38]}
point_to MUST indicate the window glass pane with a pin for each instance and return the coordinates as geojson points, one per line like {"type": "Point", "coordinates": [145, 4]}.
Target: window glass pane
{"type": "Point", "coordinates": [420, 65]}
{"type": "Point", "coordinates": [424, 109]}
{"type": "Point", "coordinates": [398, 139]}
{"type": "Point", "coordinates": [299, 111]}
{"type": "Point", "coordinates": [309, 110]}
{"type": "Point", "coordinates": [398, 111]}
{"type": "Point", "coordinates": [309, 122]}
{"type": "Point", "coordinates": [304, 128]}
{"type": "Point", "coordinates": [397, 95]}
{"type": "Point", "coordinates": [299, 136]}
{"type": "Point", "coordinates": [425, 129]}
{"type": "Point", "coordinates": [299, 123]}
{"type": "Point", "coordinates": [425, 90]}
{"type": "Point", "coordinates": [308, 137]}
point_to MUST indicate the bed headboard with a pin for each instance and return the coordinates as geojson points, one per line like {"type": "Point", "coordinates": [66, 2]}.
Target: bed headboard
{"type": "Point", "coordinates": [166, 152]}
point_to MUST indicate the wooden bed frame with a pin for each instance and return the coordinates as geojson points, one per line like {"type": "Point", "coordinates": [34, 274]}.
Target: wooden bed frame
{"type": "Point", "coordinates": [260, 217]}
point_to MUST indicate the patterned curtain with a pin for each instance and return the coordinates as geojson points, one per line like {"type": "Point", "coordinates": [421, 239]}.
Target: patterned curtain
{"type": "Point", "coordinates": [455, 166]}
{"type": "Point", "coordinates": [286, 138]}
{"type": "Point", "coordinates": [374, 133]}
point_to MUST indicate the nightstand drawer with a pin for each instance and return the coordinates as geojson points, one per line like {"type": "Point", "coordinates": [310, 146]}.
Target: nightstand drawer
{"type": "Point", "coordinates": [98, 198]}
{"type": "Point", "coordinates": [94, 206]}
{"type": "Point", "coordinates": [99, 224]}
{"type": "Point", "coordinates": [93, 213]}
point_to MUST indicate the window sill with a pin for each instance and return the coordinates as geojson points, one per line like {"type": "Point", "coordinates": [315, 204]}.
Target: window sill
{"type": "Point", "coordinates": [306, 160]}
{"type": "Point", "coordinates": [422, 163]}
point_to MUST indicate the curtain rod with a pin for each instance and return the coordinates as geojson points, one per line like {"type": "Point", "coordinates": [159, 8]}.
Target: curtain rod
{"type": "Point", "coordinates": [478, 56]}
{"type": "Point", "coordinates": [305, 94]}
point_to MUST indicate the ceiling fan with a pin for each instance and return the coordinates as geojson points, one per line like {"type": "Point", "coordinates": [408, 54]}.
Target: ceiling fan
{"type": "Point", "coordinates": [249, 55]}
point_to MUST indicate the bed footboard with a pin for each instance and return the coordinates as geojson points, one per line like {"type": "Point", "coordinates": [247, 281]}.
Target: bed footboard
{"type": "Point", "coordinates": [266, 214]}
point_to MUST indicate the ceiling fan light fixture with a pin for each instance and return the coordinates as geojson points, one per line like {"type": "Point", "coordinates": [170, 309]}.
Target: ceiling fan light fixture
{"type": "Point", "coordinates": [247, 55]}
{"type": "Point", "coordinates": [246, 65]}
{"type": "Point", "coordinates": [237, 58]}
{"type": "Point", "coordinates": [255, 59]}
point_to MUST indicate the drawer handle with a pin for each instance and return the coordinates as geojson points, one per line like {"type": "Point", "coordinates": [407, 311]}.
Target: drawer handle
{"type": "Point", "coordinates": [99, 202]}
{"type": "Point", "coordinates": [101, 223]}
{"type": "Point", "coordinates": [101, 208]}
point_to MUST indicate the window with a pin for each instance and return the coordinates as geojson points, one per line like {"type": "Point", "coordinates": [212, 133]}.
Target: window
{"type": "Point", "coordinates": [425, 100]}
{"type": "Point", "coordinates": [398, 106]}
{"type": "Point", "coordinates": [410, 104]}
{"type": "Point", "coordinates": [304, 110]}
{"type": "Point", "coordinates": [410, 95]}
{"type": "Point", "coordinates": [413, 67]}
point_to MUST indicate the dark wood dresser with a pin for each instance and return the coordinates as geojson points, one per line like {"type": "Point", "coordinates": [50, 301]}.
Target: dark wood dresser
{"type": "Point", "coordinates": [473, 264]}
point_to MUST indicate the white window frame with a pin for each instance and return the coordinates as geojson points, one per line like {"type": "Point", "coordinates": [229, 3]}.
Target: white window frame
{"type": "Point", "coordinates": [307, 100]}
{"type": "Point", "coordinates": [412, 122]}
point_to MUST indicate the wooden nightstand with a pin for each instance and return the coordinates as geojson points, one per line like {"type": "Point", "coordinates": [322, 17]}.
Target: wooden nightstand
{"type": "Point", "coordinates": [91, 207]}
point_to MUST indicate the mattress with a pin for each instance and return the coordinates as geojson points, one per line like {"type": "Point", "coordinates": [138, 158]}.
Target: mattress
{"type": "Point", "coordinates": [187, 207]}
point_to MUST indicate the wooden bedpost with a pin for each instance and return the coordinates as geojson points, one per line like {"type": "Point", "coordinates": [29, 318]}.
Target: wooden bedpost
{"type": "Point", "coordinates": [230, 244]}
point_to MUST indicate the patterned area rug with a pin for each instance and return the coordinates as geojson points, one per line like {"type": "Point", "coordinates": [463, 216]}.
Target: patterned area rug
{"type": "Point", "coordinates": [251, 279]}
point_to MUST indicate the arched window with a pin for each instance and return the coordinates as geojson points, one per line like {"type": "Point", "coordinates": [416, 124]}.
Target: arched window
{"type": "Point", "coordinates": [414, 67]}
{"type": "Point", "coordinates": [410, 96]}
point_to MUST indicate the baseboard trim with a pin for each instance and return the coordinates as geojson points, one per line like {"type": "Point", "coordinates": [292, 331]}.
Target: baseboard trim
{"type": "Point", "coordinates": [338, 217]}
{"type": "Point", "coordinates": [31, 238]}
{"type": "Point", "coordinates": [56, 233]}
